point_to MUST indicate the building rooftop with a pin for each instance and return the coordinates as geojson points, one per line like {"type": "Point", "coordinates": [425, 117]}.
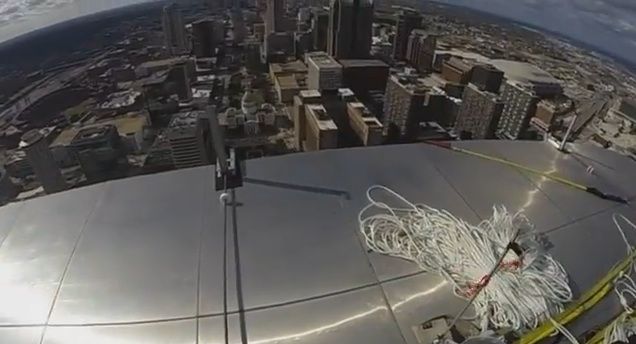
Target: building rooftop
{"type": "Point", "coordinates": [121, 99]}
{"type": "Point", "coordinates": [289, 67]}
{"type": "Point", "coordinates": [163, 63]}
{"type": "Point", "coordinates": [464, 54]}
{"type": "Point", "coordinates": [30, 137]}
{"type": "Point", "coordinates": [310, 93]}
{"type": "Point", "coordinates": [322, 118]}
{"type": "Point", "coordinates": [411, 83]}
{"type": "Point", "coordinates": [363, 63]}
{"type": "Point", "coordinates": [125, 125]}
{"type": "Point", "coordinates": [93, 133]}
{"type": "Point", "coordinates": [524, 72]}
{"type": "Point", "coordinates": [287, 81]}
{"type": "Point", "coordinates": [324, 61]}
{"type": "Point", "coordinates": [186, 119]}
{"type": "Point", "coordinates": [367, 117]}
{"type": "Point", "coordinates": [463, 65]}
{"type": "Point", "coordinates": [139, 260]}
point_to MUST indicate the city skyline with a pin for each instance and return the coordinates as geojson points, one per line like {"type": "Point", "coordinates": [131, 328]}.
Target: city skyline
{"type": "Point", "coordinates": [104, 91]}
{"type": "Point", "coordinates": [606, 26]}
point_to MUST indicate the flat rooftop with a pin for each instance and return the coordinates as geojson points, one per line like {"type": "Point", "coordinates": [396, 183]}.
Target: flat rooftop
{"type": "Point", "coordinates": [464, 54]}
{"type": "Point", "coordinates": [363, 63]}
{"type": "Point", "coordinates": [310, 93]}
{"type": "Point", "coordinates": [289, 67]}
{"type": "Point", "coordinates": [163, 63]}
{"type": "Point", "coordinates": [524, 72]}
{"type": "Point", "coordinates": [186, 119]}
{"type": "Point", "coordinates": [139, 260]}
{"type": "Point", "coordinates": [321, 117]}
{"type": "Point", "coordinates": [324, 61]}
{"type": "Point", "coordinates": [287, 81]}
{"type": "Point", "coordinates": [126, 125]}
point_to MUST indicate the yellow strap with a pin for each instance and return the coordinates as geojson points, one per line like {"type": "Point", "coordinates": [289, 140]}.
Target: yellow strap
{"type": "Point", "coordinates": [522, 167]}
{"type": "Point", "coordinates": [585, 302]}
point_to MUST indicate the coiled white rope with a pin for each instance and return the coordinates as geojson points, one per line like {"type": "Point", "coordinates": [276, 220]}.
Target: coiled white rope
{"type": "Point", "coordinates": [625, 288]}
{"type": "Point", "coordinates": [524, 291]}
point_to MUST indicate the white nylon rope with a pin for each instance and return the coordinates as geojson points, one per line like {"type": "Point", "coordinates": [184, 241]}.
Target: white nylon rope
{"type": "Point", "coordinates": [625, 288]}
{"type": "Point", "coordinates": [526, 289]}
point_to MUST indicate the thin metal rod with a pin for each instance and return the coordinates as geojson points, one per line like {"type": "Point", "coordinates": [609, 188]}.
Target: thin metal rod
{"type": "Point", "coordinates": [225, 252]}
{"type": "Point", "coordinates": [489, 276]}
{"type": "Point", "coordinates": [568, 133]}
{"type": "Point", "coordinates": [217, 138]}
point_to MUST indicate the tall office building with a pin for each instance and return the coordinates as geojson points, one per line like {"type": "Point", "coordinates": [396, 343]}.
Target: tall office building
{"type": "Point", "coordinates": [321, 130]}
{"type": "Point", "coordinates": [239, 30]}
{"type": "Point", "coordinates": [457, 70]}
{"type": "Point", "coordinates": [207, 34]}
{"type": "Point", "coordinates": [324, 73]}
{"type": "Point", "coordinates": [487, 78]}
{"type": "Point", "coordinates": [275, 16]}
{"type": "Point", "coordinates": [174, 30]}
{"type": "Point", "coordinates": [188, 134]}
{"type": "Point", "coordinates": [364, 76]}
{"type": "Point", "coordinates": [409, 102]}
{"type": "Point", "coordinates": [303, 98]}
{"type": "Point", "coordinates": [278, 46]}
{"type": "Point", "coordinates": [101, 153]}
{"type": "Point", "coordinates": [302, 43]}
{"type": "Point", "coordinates": [407, 21]}
{"type": "Point", "coordinates": [520, 104]}
{"type": "Point", "coordinates": [41, 159]}
{"type": "Point", "coordinates": [478, 114]}
{"type": "Point", "coordinates": [180, 81]}
{"type": "Point", "coordinates": [420, 50]}
{"type": "Point", "coordinates": [366, 126]}
{"type": "Point", "coordinates": [350, 29]}
{"type": "Point", "coordinates": [320, 29]}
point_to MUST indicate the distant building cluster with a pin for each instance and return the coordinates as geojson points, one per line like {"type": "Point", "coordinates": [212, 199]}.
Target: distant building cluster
{"type": "Point", "coordinates": [281, 76]}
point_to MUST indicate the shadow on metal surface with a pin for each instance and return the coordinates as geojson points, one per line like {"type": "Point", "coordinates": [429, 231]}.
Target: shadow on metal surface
{"type": "Point", "coordinates": [314, 189]}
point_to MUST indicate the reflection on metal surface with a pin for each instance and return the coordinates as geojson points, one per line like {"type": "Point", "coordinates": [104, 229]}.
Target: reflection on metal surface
{"type": "Point", "coordinates": [531, 193]}
{"type": "Point", "coordinates": [427, 292]}
{"type": "Point", "coordinates": [174, 332]}
{"type": "Point", "coordinates": [306, 278]}
{"type": "Point", "coordinates": [318, 330]}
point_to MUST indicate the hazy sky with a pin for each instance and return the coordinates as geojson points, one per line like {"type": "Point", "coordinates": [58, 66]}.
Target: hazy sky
{"type": "Point", "coordinates": [609, 24]}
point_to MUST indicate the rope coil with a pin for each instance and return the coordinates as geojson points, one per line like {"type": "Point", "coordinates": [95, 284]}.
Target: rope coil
{"type": "Point", "coordinates": [525, 291]}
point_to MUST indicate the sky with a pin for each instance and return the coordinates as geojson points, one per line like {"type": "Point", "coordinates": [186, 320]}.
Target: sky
{"type": "Point", "coordinates": [607, 24]}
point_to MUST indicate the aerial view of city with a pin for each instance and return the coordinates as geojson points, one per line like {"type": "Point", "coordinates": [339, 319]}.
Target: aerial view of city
{"type": "Point", "coordinates": [134, 91]}
{"type": "Point", "coordinates": [317, 171]}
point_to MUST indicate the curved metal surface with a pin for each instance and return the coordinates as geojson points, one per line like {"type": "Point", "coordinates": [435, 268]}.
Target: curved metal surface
{"type": "Point", "coordinates": [138, 257]}
{"type": "Point", "coordinates": [139, 260]}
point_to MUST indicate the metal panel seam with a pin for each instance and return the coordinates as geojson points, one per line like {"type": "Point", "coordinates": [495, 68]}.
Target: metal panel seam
{"type": "Point", "coordinates": [98, 201]}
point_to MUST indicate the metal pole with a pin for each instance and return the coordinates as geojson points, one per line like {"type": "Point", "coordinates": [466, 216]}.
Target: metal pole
{"type": "Point", "coordinates": [568, 133]}
{"type": "Point", "coordinates": [489, 276]}
{"type": "Point", "coordinates": [217, 138]}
